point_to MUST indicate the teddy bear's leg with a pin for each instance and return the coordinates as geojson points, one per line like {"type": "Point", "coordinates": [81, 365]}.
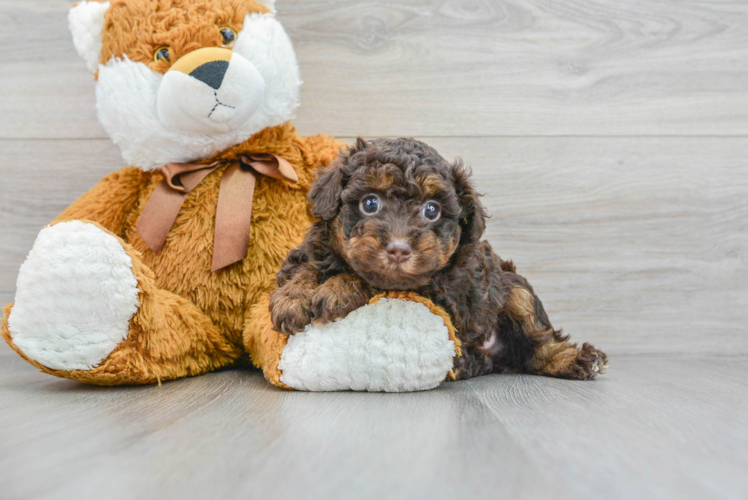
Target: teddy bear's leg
{"type": "Point", "coordinates": [398, 342]}
{"type": "Point", "coordinates": [264, 344]}
{"type": "Point", "coordinates": [87, 309]}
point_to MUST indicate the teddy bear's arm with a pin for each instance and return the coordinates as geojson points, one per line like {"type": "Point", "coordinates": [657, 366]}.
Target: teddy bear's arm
{"type": "Point", "coordinates": [110, 201]}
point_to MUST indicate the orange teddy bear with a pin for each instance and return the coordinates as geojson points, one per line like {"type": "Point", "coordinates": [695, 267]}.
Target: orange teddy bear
{"type": "Point", "coordinates": [163, 269]}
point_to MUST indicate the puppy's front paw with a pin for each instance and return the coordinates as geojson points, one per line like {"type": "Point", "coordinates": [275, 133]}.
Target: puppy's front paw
{"type": "Point", "coordinates": [337, 297]}
{"type": "Point", "coordinates": [289, 311]}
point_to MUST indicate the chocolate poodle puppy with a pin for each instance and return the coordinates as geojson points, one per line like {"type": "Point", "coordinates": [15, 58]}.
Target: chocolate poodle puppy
{"type": "Point", "coordinates": [392, 214]}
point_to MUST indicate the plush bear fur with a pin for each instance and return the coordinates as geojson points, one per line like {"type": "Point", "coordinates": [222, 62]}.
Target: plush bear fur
{"type": "Point", "coordinates": [194, 81]}
{"type": "Point", "coordinates": [184, 319]}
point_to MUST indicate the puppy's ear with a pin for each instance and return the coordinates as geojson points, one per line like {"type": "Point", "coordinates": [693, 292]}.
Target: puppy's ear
{"type": "Point", "coordinates": [473, 216]}
{"type": "Point", "coordinates": [324, 195]}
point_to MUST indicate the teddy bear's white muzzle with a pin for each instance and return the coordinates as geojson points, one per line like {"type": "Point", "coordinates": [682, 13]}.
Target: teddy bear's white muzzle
{"type": "Point", "coordinates": [210, 91]}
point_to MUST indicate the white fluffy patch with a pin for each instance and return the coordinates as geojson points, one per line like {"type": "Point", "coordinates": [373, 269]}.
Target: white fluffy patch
{"type": "Point", "coordinates": [189, 105]}
{"type": "Point", "coordinates": [127, 96]}
{"type": "Point", "coordinates": [76, 294]}
{"type": "Point", "coordinates": [86, 21]}
{"type": "Point", "coordinates": [392, 346]}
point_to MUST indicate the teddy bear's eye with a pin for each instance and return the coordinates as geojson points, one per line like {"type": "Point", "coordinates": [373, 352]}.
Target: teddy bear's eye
{"type": "Point", "coordinates": [161, 54]}
{"type": "Point", "coordinates": [229, 36]}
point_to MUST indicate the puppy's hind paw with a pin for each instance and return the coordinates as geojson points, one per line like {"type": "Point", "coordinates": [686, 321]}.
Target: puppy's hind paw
{"type": "Point", "coordinates": [566, 360]}
{"type": "Point", "coordinates": [589, 363]}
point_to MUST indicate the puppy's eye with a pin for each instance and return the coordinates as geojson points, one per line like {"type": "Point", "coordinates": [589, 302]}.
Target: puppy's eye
{"type": "Point", "coordinates": [432, 211]}
{"type": "Point", "coordinates": [162, 54]}
{"type": "Point", "coordinates": [370, 204]}
{"type": "Point", "coordinates": [229, 36]}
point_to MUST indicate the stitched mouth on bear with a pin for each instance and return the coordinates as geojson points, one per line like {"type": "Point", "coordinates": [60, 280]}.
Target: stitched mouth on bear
{"type": "Point", "coordinates": [218, 105]}
{"type": "Point", "coordinates": [211, 90]}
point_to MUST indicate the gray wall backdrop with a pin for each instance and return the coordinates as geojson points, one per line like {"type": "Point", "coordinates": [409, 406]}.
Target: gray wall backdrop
{"type": "Point", "coordinates": [609, 139]}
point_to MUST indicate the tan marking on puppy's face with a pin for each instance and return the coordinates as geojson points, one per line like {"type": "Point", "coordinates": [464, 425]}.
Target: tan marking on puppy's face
{"type": "Point", "coordinates": [362, 239]}
{"type": "Point", "coordinates": [138, 28]}
{"type": "Point", "coordinates": [383, 178]}
{"type": "Point", "coordinates": [432, 184]}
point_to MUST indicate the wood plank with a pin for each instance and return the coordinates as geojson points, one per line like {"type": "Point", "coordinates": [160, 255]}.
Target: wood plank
{"type": "Point", "coordinates": [588, 67]}
{"type": "Point", "coordinates": [46, 89]}
{"type": "Point", "coordinates": [636, 244]}
{"type": "Point", "coordinates": [653, 427]}
{"type": "Point", "coordinates": [41, 178]}
{"type": "Point", "coordinates": [478, 67]}
{"type": "Point", "coordinates": [231, 435]}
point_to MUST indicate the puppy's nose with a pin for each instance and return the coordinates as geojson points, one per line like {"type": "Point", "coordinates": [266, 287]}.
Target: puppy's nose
{"type": "Point", "coordinates": [398, 251]}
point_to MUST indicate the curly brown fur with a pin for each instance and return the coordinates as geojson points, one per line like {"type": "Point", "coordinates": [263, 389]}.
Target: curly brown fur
{"type": "Point", "coordinates": [352, 252]}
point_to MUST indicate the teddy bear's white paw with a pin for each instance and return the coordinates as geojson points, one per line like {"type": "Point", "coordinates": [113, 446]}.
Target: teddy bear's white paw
{"type": "Point", "coordinates": [393, 345]}
{"type": "Point", "coordinates": [76, 294]}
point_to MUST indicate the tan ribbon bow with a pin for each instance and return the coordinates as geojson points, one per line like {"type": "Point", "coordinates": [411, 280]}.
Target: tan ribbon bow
{"type": "Point", "coordinates": [234, 211]}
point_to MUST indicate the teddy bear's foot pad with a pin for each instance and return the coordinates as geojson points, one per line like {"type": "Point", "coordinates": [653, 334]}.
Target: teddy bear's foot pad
{"type": "Point", "coordinates": [392, 345]}
{"type": "Point", "coordinates": [76, 294]}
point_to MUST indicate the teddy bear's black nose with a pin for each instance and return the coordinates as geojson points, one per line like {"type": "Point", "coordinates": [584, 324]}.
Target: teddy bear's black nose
{"type": "Point", "coordinates": [211, 73]}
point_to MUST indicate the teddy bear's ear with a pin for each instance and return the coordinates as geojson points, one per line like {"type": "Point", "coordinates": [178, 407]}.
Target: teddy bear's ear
{"type": "Point", "coordinates": [270, 4]}
{"type": "Point", "coordinates": [86, 21]}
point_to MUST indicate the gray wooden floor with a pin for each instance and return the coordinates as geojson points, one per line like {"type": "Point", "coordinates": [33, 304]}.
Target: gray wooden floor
{"type": "Point", "coordinates": [611, 140]}
{"type": "Point", "coordinates": [655, 427]}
